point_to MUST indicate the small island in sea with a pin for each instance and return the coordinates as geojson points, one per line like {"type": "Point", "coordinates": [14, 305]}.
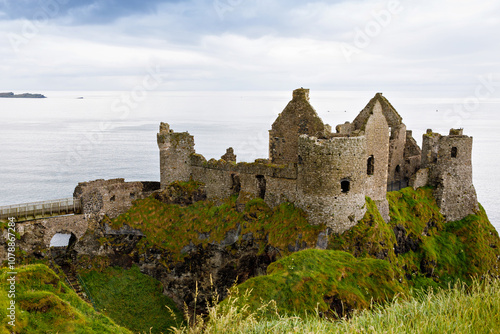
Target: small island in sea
{"type": "Point", "coordinates": [22, 96]}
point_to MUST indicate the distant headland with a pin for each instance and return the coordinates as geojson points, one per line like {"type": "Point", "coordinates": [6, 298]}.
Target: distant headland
{"type": "Point", "coordinates": [22, 96]}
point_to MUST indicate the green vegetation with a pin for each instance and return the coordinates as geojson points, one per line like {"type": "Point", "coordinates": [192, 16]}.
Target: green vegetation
{"type": "Point", "coordinates": [46, 305]}
{"type": "Point", "coordinates": [171, 227]}
{"type": "Point", "coordinates": [416, 249]}
{"type": "Point", "coordinates": [462, 309]}
{"type": "Point", "coordinates": [425, 249]}
{"type": "Point", "coordinates": [330, 282]}
{"type": "Point", "coordinates": [132, 299]}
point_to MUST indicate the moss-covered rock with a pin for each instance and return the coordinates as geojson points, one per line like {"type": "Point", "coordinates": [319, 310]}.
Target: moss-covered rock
{"type": "Point", "coordinates": [174, 227]}
{"type": "Point", "coordinates": [188, 245]}
{"type": "Point", "coordinates": [418, 241]}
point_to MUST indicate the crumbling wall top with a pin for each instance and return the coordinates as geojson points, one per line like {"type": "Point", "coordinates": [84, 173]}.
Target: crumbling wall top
{"type": "Point", "coordinates": [391, 115]}
{"type": "Point", "coordinates": [456, 132]}
{"type": "Point", "coordinates": [301, 94]}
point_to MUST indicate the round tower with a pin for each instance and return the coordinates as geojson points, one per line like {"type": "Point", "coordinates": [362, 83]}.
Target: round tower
{"type": "Point", "coordinates": [331, 180]}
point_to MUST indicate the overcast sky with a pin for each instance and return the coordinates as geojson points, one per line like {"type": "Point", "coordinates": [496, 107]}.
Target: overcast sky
{"type": "Point", "coordinates": [438, 45]}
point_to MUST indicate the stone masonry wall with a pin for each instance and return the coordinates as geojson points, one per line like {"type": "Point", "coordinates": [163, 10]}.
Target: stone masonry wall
{"type": "Point", "coordinates": [452, 177]}
{"type": "Point", "coordinates": [222, 179]}
{"type": "Point", "coordinates": [430, 147]}
{"type": "Point", "coordinates": [175, 151]}
{"type": "Point", "coordinates": [412, 156]}
{"type": "Point", "coordinates": [331, 180]}
{"type": "Point", "coordinates": [298, 118]}
{"type": "Point", "coordinates": [396, 153]}
{"type": "Point", "coordinates": [377, 155]}
{"type": "Point", "coordinates": [111, 197]}
{"type": "Point", "coordinates": [35, 235]}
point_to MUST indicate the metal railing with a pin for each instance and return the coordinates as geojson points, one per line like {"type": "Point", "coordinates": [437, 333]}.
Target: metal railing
{"type": "Point", "coordinates": [87, 291]}
{"type": "Point", "coordinates": [35, 210]}
{"type": "Point", "coordinates": [397, 185]}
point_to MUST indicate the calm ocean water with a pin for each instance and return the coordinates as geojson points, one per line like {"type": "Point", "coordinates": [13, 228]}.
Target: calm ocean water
{"type": "Point", "coordinates": [49, 145]}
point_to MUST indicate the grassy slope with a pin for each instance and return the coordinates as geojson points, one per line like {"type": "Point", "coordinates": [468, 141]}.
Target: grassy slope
{"type": "Point", "coordinates": [426, 252]}
{"type": "Point", "coordinates": [46, 305]}
{"type": "Point", "coordinates": [325, 281]}
{"type": "Point", "coordinates": [442, 252]}
{"type": "Point", "coordinates": [466, 310]}
{"type": "Point", "coordinates": [172, 227]}
{"type": "Point", "coordinates": [132, 299]}
{"type": "Point", "coordinates": [436, 254]}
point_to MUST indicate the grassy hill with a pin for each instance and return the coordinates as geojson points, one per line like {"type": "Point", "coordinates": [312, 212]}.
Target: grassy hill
{"type": "Point", "coordinates": [132, 299]}
{"type": "Point", "coordinates": [462, 309]}
{"type": "Point", "coordinates": [44, 304]}
{"type": "Point", "coordinates": [370, 263]}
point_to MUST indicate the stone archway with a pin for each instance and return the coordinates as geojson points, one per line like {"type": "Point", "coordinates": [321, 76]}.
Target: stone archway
{"type": "Point", "coordinates": [75, 225]}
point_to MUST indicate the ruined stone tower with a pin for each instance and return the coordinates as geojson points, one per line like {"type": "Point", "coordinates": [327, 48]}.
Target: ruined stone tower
{"type": "Point", "coordinates": [331, 180]}
{"type": "Point", "coordinates": [404, 153]}
{"type": "Point", "coordinates": [298, 118]}
{"type": "Point", "coordinates": [449, 163]}
{"type": "Point", "coordinates": [175, 155]}
{"type": "Point", "coordinates": [376, 132]}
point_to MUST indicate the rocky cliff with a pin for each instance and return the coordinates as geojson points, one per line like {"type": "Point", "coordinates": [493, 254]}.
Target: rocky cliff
{"type": "Point", "coordinates": [192, 245]}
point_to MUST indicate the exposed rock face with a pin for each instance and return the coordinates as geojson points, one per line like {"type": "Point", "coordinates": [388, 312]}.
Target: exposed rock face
{"type": "Point", "coordinates": [404, 242]}
{"type": "Point", "coordinates": [215, 268]}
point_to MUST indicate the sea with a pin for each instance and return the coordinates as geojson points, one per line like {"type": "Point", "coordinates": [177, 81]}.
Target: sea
{"type": "Point", "coordinates": [48, 146]}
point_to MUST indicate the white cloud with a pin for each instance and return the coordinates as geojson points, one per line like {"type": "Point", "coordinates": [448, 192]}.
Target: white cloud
{"type": "Point", "coordinates": [265, 45]}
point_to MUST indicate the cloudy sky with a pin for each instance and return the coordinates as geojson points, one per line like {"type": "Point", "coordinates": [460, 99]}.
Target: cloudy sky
{"type": "Point", "coordinates": [438, 45]}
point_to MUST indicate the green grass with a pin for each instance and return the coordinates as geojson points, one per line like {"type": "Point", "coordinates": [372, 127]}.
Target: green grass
{"type": "Point", "coordinates": [46, 305]}
{"type": "Point", "coordinates": [330, 282]}
{"type": "Point", "coordinates": [132, 299]}
{"type": "Point", "coordinates": [171, 227]}
{"type": "Point", "coordinates": [371, 263]}
{"type": "Point", "coordinates": [462, 309]}
{"type": "Point", "coordinates": [443, 252]}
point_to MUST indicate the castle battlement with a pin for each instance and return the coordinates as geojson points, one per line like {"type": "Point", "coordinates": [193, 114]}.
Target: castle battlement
{"type": "Point", "coordinates": [328, 174]}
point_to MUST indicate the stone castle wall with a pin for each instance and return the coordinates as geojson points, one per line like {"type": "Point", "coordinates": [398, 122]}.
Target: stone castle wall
{"type": "Point", "coordinates": [328, 175]}
{"type": "Point", "coordinates": [298, 118]}
{"type": "Point", "coordinates": [397, 144]}
{"type": "Point", "coordinates": [175, 150]}
{"type": "Point", "coordinates": [223, 179]}
{"type": "Point", "coordinates": [331, 180]}
{"type": "Point", "coordinates": [111, 197]}
{"type": "Point", "coordinates": [377, 155]}
{"type": "Point", "coordinates": [450, 172]}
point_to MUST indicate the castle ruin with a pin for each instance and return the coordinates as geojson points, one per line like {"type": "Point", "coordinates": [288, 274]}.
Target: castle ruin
{"type": "Point", "coordinates": [327, 174]}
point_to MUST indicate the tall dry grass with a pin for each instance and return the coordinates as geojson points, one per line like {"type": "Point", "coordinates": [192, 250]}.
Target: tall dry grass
{"type": "Point", "coordinates": [460, 309]}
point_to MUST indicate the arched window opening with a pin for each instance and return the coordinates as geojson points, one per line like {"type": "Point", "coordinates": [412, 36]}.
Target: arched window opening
{"type": "Point", "coordinates": [370, 165]}
{"type": "Point", "coordinates": [261, 184]}
{"type": "Point", "coordinates": [345, 185]}
{"type": "Point", "coordinates": [235, 184]}
{"type": "Point", "coordinates": [397, 173]}
{"type": "Point", "coordinates": [454, 152]}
